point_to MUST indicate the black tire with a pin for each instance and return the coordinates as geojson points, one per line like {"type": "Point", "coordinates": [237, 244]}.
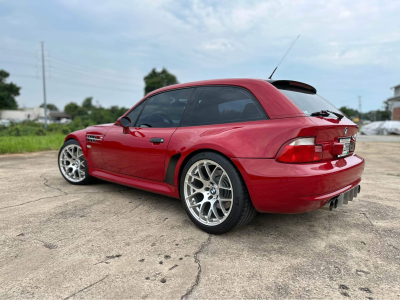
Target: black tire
{"type": "Point", "coordinates": [242, 211]}
{"type": "Point", "coordinates": [88, 179]}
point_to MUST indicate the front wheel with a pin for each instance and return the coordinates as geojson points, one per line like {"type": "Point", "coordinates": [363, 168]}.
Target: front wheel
{"type": "Point", "coordinates": [214, 194]}
{"type": "Point", "coordinates": [72, 163]}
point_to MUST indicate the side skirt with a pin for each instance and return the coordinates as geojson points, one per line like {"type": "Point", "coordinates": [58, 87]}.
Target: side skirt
{"type": "Point", "coordinates": [136, 182]}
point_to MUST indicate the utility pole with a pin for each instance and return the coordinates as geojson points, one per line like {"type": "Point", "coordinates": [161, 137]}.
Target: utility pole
{"type": "Point", "coordinates": [359, 107]}
{"type": "Point", "coordinates": [44, 87]}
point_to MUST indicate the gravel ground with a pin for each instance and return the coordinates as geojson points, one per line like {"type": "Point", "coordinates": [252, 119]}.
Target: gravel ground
{"type": "Point", "coordinates": [379, 138]}
{"type": "Point", "coordinates": [112, 242]}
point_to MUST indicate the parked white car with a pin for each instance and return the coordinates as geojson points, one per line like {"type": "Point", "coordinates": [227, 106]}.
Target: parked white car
{"type": "Point", "coordinates": [381, 128]}
{"type": "Point", "coordinates": [5, 123]}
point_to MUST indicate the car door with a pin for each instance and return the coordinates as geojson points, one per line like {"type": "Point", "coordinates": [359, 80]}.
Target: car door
{"type": "Point", "coordinates": [141, 151]}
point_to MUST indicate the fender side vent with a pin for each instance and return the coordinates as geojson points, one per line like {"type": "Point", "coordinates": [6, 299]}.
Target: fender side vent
{"type": "Point", "coordinates": [94, 137]}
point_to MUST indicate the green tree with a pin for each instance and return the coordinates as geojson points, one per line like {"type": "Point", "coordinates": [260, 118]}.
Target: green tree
{"type": "Point", "coordinates": [387, 114]}
{"type": "Point", "coordinates": [74, 109]}
{"type": "Point", "coordinates": [349, 112]}
{"type": "Point", "coordinates": [87, 103]}
{"type": "Point", "coordinates": [155, 80]}
{"type": "Point", "coordinates": [50, 106]}
{"type": "Point", "coordinates": [8, 92]}
{"type": "Point", "coordinates": [88, 114]}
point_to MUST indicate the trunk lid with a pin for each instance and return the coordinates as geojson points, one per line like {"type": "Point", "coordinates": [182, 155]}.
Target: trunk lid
{"type": "Point", "coordinates": [330, 131]}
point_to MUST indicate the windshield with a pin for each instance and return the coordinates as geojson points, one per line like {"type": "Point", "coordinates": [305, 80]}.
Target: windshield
{"type": "Point", "coordinates": [309, 103]}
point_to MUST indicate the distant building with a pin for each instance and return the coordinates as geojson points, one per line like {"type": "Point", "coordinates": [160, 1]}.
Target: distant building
{"type": "Point", "coordinates": [394, 103]}
{"type": "Point", "coordinates": [34, 114]}
{"type": "Point", "coordinates": [59, 116]}
{"type": "Point", "coordinates": [22, 114]}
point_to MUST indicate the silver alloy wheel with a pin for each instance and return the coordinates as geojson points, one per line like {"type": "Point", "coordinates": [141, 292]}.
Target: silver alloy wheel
{"type": "Point", "coordinates": [72, 163]}
{"type": "Point", "coordinates": [208, 192]}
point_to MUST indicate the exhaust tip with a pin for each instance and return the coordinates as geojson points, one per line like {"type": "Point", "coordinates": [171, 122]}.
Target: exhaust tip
{"type": "Point", "coordinates": [331, 205]}
{"type": "Point", "coordinates": [336, 203]}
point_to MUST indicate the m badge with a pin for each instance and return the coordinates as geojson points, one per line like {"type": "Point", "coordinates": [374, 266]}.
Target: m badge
{"type": "Point", "coordinates": [345, 131]}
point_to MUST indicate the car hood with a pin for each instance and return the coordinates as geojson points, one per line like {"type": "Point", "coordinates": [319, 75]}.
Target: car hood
{"type": "Point", "coordinates": [102, 125]}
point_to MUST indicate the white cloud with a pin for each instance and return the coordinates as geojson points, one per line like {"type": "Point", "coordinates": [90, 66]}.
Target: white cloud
{"type": "Point", "coordinates": [254, 29]}
{"type": "Point", "coordinates": [204, 39]}
{"type": "Point", "coordinates": [219, 45]}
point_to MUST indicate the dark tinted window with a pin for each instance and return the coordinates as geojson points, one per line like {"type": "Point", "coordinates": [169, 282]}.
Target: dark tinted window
{"type": "Point", "coordinates": [165, 109]}
{"type": "Point", "coordinates": [134, 114]}
{"type": "Point", "coordinates": [309, 103]}
{"type": "Point", "coordinates": [215, 105]}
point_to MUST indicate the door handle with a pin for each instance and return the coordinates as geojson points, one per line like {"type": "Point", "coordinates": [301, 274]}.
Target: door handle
{"type": "Point", "coordinates": [156, 140]}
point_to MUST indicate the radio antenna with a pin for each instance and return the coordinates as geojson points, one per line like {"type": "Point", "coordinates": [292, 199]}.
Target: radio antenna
{"type": "Point", "coordinates": [284, 56]}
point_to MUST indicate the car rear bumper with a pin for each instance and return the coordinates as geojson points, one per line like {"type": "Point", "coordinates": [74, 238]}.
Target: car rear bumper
{"type": "Point", "coordinates": [295, 188]}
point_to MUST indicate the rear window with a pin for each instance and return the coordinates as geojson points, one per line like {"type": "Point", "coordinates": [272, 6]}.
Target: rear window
{"type": "Point", "coordinates": [217, 105]}
{"type": "Point", "coordinates": [309, 103]}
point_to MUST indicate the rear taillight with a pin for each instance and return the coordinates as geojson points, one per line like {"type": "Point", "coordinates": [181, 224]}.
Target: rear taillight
{"type": "Point", "coordinates": [301, 150]}
{"type": "Point", "coordinates": [353, 143]}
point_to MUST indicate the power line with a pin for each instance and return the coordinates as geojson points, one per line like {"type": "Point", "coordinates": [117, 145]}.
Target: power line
{"type": "Point", "coordinates": [23, 75]}
{"type": "Point", "coordinates": [18, 54]}
{"type": "Point", "coordinates": [18, 62]}
{"type": "Point", "coordinates": [79, 68]}
{"type": "Point", "coordinates": [44, 86]}
{"type": "Point", "coordinates": [21, 51]}
{"type": "Point", "coordinates": [77, 65]}
{"type": "Point", "coordinates": [61, 63]}
{"type": "Point", "coordinates": [61, 80]}
{"type": "Point", "coordinates": [78, 73]}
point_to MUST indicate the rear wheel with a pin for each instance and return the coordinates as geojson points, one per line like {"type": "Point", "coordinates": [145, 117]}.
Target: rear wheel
{"type": "Point", "coordinates": [214, 194]}
{"type": "Point", "coordinates": [72, 163]}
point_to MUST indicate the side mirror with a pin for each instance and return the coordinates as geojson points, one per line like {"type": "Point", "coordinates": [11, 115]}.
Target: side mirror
{"type": "Point", "coordinates": [125, 123]}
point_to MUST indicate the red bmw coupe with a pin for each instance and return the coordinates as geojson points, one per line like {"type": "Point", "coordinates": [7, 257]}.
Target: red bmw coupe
{"type": "Point", "coordinates": [228, 148]}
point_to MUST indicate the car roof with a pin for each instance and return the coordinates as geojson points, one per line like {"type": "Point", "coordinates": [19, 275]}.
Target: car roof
{"type": "Point", "coordinates": [275, 103]}
{"type": "Point", "coordinates": [230, 81]}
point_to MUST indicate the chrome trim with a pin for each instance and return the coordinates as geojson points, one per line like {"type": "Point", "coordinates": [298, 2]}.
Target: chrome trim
{"type": "Point", "coordinates": [208, 192]}
{"type": "Point", "coordinates": [72, 163]}
{"type": "Point", "coordinates": [94, 137]}
{"type": "Point", "coordinates": [342, 199]}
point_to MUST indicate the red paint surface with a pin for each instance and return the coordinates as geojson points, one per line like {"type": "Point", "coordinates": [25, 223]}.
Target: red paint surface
{"type": "Point", "coordinates": [131, 159]}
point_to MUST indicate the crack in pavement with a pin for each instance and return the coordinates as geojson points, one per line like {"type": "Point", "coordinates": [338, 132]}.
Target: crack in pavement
{"type": "Point", "coordinates": [199, 270]}
{"type": "Point", "coordinates": [365, 214]}
{"type": "Point", "coordinates": [65, 194]}
{"type": "Point", "coordinates": [1, 208]}
{"type": "Point", "coordinates": [48, 185]}
{"type": "Point", "coordinates": [97, 231]}
{"type": "Point", "coordinates": [121, 191]}
{"type": "Point", "coordinates": [87, 287]}
{"type": "Point", "coordinates": [108, 258]}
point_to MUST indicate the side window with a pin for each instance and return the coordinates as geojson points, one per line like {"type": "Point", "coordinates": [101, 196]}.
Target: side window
{"type": "Point", "coordinates": [165, 109]}
{"type": "Point", "coordinates": [134, 114]}
{"type": "Point", "coordinates": [216, 105]}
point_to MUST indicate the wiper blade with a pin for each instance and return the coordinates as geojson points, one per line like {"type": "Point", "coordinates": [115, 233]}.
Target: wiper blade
{"type": "Point", "coordinates": [339, 116]}
{"type": "Point", "coordinates": [326, 113]}
{"type": "Point", "coordinates": [321, 113]}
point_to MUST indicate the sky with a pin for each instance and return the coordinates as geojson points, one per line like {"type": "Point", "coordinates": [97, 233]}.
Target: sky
{"type": "Point", "coordinates": [103, 48]}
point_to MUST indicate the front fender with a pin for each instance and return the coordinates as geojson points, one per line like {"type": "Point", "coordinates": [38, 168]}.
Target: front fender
{"type": "Point", "coordinates": [79, 135]}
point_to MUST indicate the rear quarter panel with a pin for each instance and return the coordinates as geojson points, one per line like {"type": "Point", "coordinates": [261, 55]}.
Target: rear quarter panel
{"type": "Point", "coordinates": [257, 139]}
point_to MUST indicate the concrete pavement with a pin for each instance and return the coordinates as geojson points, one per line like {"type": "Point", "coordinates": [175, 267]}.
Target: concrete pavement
{"type": "Point", "coordinates": [378, 138]}
{"type": "Point", "coordinates": [109, 241]}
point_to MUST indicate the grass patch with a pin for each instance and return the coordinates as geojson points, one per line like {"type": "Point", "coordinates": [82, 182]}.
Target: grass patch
{"type": "Point", "coordinates": [398, 175]}
{"type": "Point", "coordinates": [20, 144]}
